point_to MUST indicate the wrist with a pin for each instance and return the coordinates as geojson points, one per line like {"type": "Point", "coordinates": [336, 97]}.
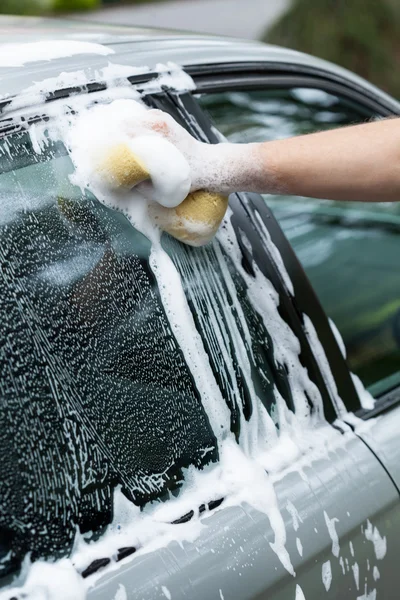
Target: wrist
{"type": "Point", "coordinates": [226, 168]}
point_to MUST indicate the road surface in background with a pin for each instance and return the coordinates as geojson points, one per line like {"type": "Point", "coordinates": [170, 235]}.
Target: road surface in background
{"type": "Point", "coordinates": [240, 18]}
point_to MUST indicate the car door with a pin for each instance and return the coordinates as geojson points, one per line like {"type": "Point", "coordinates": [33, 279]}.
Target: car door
{"type": "Point", "coordinates": [339, 506]}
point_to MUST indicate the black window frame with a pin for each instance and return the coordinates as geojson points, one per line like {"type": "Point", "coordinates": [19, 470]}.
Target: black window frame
{"type": "Point", "coordinates": [246, 206]}
{"type": "Point", "coordinates": [247, 76]}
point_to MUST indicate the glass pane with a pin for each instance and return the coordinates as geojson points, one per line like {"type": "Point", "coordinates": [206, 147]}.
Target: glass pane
{"type": "Point", "coordinates": [349, 250]}
{"type": "Point", "coordinates": [95, 390]}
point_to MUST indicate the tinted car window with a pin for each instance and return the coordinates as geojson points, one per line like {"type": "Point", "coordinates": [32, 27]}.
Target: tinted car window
{"type": "Point", "coordinates": [349, 250]}
{"type": "Point", "coordinates": [95, 390]}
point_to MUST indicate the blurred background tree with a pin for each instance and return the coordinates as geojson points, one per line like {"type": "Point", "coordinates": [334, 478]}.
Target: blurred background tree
{"type": "Point", "coordinates": [39, 7]}
{"type": "Point", "coordinates": [71, 5]}
{"type": "Point", "coordinates": [361, 35]}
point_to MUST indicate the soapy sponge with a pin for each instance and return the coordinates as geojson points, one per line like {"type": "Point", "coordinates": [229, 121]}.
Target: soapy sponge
{"type": "Point", "coordinates": [194, 221]}
{"type": "Point", "coordinates": [125, 164]}
{"type": "Point", "coordinates": [120, 167]}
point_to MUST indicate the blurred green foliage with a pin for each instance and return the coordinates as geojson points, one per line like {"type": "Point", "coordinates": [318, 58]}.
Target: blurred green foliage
{"type": "Point", "coordinates": [361, 35]}
{"type": "Point", "coordinates": [66, 5]}
{"type": "Point", "coordinates": [39, 7]}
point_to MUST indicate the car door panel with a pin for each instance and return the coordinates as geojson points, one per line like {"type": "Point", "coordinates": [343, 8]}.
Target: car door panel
{"type": "Point", "coordinates": [344, 490]}
{"type": "Point", "coordinates": [381, 434]}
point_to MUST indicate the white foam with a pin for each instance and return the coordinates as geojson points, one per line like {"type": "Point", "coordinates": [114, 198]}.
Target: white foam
{"type": "Point", "coordinates": [341, 562]}
{"type": "Point", "coordinates": [44, 581]}
{"type": "Point", "coordinates": [274, 253]}
{"type": "Point", "coordinates": [367, 595]}
{"type": "Point", "coordinates": [367, 401]}
{"type": "Point", "coordinates": [380, 545]}
{"type": "Point", "coordinates": [331, 525]}
{"type": "Point", "coordinates": [17, 55]}
{"type": "Point", "coordinates": [356, 574]}
{"type": "Point", "coordinates": [323, 364]}
{"type": "Point", "coordinates": [375, 573]}
{"type": "Point", "coordinates": [327, 575]}
{"type": "Point", "coordinates": [169, 170]}
{"type": "Point", "coordinates": [121, 593]}
{"type": "Point", "coordinates": [338, 338]}
{"type": "Point", "coordinates": [121, 122]}
{"type": "Point", "coordinates": [114, 76]}
{"type": "Point", "coordinates": [299, 593]}
{"type": "Point", "coordinates": [296, 518]}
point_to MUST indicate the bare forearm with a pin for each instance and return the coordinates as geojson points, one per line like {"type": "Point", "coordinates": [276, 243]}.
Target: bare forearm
{"type": "Point", "coordinates": [353, 163]}
{"type": "Point", "coordinates": [350, 163]}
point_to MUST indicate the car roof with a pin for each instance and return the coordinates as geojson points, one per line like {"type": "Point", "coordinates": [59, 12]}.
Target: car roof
{"type": "Point", "coordinates": [137, 47]}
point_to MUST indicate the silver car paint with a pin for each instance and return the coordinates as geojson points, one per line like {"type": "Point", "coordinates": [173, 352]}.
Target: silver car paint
{"type": "Point", "coordinates": [138, 48]}
{"type": "Point", "coordinates": [233, 553]}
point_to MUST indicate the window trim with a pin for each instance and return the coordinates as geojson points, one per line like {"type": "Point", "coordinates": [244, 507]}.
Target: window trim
{"type": "Point", "coordinates": [384, 403]}
{"type": "Point", "coordinates": [226, 77]}
{"type": "Point", "coordinates": [253, 76]}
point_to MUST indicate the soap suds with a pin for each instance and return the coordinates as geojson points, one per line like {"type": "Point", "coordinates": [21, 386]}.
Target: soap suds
{"type": "Point", "coordinates": [296, 518]}
{"type": "Point", "coordinates": [367, 595]}
{"type": "Point", "coordinates": [366, 399]}
{"type": "Point", "coordinates": [331, 525]}
{"type": "Point", "coordinates": [327, 574]}
{"type": "Point", "coordinates": [114, 76]}
{"type": "Point", "coordinates": [274, 253]}
{"type": "Point", "coordinates": [338, 338]}
{"type": "Point", "coordinates": [299, 593]}
{"type": "Point", "coordinates": [380, 545]}
{"type": "Point", "coordinates": [341, 562]}
{"type": "Point", "coordinates": [323, 364]}
{"type": "Point", "coordinates": [93, 136]}
{"type": "Point", "coordinates": [356, 574]}
{"type": "Point", "coordinates": [121, 593]}
{"type": "Point", "coordinates": [17, 55]}
{"type": "Point", "coordinates": [44, 581]}
{"type": "Point", "coordinates": [375, 573]}
{"type": "Point", "coordinates": [166, 592]}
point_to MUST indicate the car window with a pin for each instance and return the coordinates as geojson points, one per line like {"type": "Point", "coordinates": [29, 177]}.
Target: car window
{"type": "Point", "coordinates": [95, 389]}
{"type": "Point", "coordinates": [349, 250]}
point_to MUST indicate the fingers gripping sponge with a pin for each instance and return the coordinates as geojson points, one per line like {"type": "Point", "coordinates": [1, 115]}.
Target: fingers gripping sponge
{"type": "Point", "coordinates": [195, 221]}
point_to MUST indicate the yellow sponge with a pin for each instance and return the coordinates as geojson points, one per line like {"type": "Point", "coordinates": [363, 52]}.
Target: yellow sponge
{"type": "Point", "coordinates": [195, 221]}
{"type": "Point", "coordinates": [121, 168]}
